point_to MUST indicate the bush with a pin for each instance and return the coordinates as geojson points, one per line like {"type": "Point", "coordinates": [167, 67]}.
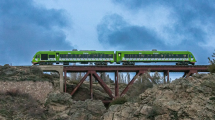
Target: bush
{"type": "Point", "coordinates": [47, 76]}
{"type": "Point", "coordinates": [212, 98]}
{"type": "Point", "coordinates": [13, 92]}
{"type": "Point", "coordinates": [211, 68]}
{"type": "Point", "coordinates": [154, 112]}
{"type": "Point", "coordinates": [120, 100]}
{"type": "Point", "coordinates": [13, 102]}
{"type": "Point", "coordinates": [36, 70]}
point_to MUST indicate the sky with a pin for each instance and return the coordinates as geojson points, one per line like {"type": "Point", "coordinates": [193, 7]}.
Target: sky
{"type": "Point", "coordinates": [28, 26]}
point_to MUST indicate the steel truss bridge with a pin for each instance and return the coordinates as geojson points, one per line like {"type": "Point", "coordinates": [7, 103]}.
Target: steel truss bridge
{"type": "Point", "coordinates": [91, 71]}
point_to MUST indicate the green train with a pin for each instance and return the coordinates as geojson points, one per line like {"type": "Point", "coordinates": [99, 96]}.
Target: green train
{"type": "Point", "coordinates": [105, 57]}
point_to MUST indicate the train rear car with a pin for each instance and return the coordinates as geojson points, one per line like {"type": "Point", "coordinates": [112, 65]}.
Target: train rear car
{"type": "Point", "coordinates": [130, 57]}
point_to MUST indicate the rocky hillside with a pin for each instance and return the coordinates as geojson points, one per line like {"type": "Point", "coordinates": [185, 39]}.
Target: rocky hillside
{"type": "Point", "coordinates": [35, 96]}
{"type": "Point", "coordinates": [190, 98]}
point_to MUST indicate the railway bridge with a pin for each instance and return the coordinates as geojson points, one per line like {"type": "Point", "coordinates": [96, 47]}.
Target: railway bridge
{"type": "Point", "coordinates": [138, 69]}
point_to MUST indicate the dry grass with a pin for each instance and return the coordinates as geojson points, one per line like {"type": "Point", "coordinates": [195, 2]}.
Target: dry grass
{"type": "Point", "coordinates": [16, 105]}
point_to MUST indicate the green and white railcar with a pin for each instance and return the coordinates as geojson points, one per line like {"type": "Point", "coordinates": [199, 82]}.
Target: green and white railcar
{"type": "Point", "coordinates": [130, 57]}
{"type": "Point", "coordinates": [66, 57]}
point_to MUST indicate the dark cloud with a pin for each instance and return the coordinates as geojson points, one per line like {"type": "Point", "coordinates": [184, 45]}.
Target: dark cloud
{"type": "Point", "coordinates": [114, 31]}
{"type": "Point", "coordinates": [187, 13]}
{"type": "Point", "coordinates": [26, 28]}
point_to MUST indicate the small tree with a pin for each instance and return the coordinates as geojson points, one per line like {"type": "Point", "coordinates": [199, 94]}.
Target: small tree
{"type": "Point", "coordinates": [211, 68]}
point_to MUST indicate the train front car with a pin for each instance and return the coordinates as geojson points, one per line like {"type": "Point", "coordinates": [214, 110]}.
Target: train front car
{"type": "Point", "coordinates": [130, 57]}
{"type": "Point", "coordinates": [36, 58]}
{"type": "Point", "coordinates": [66, 57]}
{"type": "Point", "coordinates": [44, 58]}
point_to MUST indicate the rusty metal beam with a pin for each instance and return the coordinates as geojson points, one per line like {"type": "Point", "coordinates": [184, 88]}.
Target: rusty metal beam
{"type": "Point", "coordinates": [102, 83]}
{"type": "Point", "coordinates": [191, 72]}
{"type": "Point", "coordinates": [153, 68]}
{"type": "Point", "coordinates": [81, 81]}
{"type": "Point", "coordinates": [168, 76]}
{"type": "Point", "coordinates": [116, 84]}
{"type": "Point", "coordinates": [91, 83]}
{"type": "Point", "coordinates": [131, 82]}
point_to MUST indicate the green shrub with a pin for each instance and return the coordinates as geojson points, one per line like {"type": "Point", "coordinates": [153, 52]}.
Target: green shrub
{"type": "Point", "coordinates": [120, 100]}
{"type": "Point", "coordinates": [212, 98]}
{"type": "Point", "coordinates": [211, 68]}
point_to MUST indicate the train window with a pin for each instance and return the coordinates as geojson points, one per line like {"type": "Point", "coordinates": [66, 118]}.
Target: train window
{"type": "Point", "coordinates": [37, 56]}
{"type": "Point", "coordinates": [44, 56]}
{"type": "Point", "coordinates": [185, 56]}
{"type": "Point", "coordinates": [180, 56]}
{"type": "Point", "coordinates": [173, 56]}
{"type": "Point", "coordinates": [161, 55]}
{"type": "Point", "coordinates": [51, 56]}
{"type": "Point", "coordinates": [156, 56]}
{"type": "Point", "coordinates": [191, 56]}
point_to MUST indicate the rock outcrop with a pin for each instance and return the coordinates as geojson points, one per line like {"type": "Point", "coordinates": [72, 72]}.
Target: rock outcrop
{"type": "Point", "coordinates": [29, 80]}
{"type": "Point", "coordinates": [61, 106]}
{"type": "Point", "coordinates": [183, 99]}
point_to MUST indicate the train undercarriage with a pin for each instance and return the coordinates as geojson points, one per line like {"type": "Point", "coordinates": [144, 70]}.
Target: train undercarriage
{"type": "Point", "coordinates": [106, 63]}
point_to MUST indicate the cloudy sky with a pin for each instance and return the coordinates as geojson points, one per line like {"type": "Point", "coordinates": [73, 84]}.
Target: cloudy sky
{"type": "Point", "coordinates": [28, 26]}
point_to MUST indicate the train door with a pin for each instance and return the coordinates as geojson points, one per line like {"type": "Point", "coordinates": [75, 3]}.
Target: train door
{"type": "Point", "coordinates": [57, 58]}
{"type": "Point", "coordinates": [120, 56]}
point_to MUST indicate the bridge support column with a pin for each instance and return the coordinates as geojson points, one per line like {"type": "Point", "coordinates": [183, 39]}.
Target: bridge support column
{"type": "Point", "coordinates": [61, 80]}
{"type": "Point", "coordinates": [116, 84]}
{"type": "Point", "coordinates": [91, 84]}
{"type": "Point", "coordinates": [54, 68]}
{"type": "Point", "coordinates": [166, 73]}
{"type": "Point", "coordinates": [65, 77]}
{"type": "Point", "coordinates": [131, 82]}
